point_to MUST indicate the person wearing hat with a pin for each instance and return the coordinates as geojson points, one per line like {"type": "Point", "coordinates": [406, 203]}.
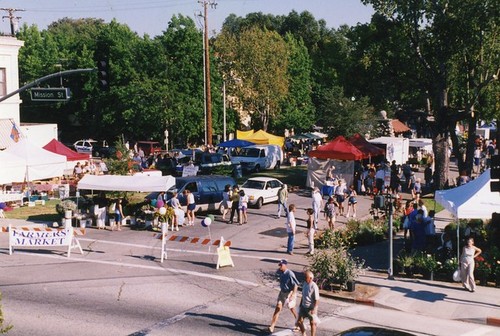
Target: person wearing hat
{"type": "Point", "coordinates": [288, 293]}
{"type": "Point", "coordinates": [282, 199]}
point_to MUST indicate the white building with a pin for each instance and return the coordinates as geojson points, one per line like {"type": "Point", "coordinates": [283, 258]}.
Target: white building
{"type": "Point", "coordinates": [11, 126]}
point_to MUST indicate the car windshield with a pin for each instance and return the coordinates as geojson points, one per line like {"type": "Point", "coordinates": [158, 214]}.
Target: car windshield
{"type": "Point", "coordinates": [253, 184]}
{"type": "Point", "coordinates": [249, 152]}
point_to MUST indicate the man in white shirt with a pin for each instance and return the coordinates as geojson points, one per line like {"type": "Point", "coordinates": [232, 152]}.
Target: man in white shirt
{"type": "Point", "coordinates": [317, 204]}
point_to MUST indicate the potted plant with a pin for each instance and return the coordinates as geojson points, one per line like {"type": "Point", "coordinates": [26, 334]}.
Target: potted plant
{"type": "Point", "coordinates": [482, 270]}
{"type": "Point", "coordinates": [66, 208]}
{"type": "Point", "coordinates": [428, 265]}
{"type": "Point", "coordinates": [164, 215]}
{"type": "Point", "coordinates": [406, 262]}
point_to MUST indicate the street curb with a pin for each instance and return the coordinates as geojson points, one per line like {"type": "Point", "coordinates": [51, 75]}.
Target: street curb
{"type": "Point", "coordinates": [493, 321]}
{"type": "Point", "coordinates": [366, 302]}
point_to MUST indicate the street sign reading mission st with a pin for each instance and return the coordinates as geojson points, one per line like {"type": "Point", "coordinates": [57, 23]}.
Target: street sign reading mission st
{"type": "Point", "coordinates": [50, 94]}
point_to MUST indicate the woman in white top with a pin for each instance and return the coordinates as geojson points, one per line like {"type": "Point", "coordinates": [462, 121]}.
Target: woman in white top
{"type": "Point", "coordinates": [290, 228]}
{"type": "Point", "coordinates": [191, 205]}
{"type": "Point", "coordinates": [243, 206]}
{"type": "Point", "coordinates": [226, 201]}
{"type": "Point", "coordinates": [467, 263]}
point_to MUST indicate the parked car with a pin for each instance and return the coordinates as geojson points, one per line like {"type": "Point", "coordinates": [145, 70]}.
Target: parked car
{"type": "Point", "coordinates": [207, 191]}
{"type": "Point", "coordinates": [207, 161]}
{"type": "Point", "coordinates": [261, 190]}
{"type": "Point", "coordinates": [259, 157]}
{"type": "Point", "coordinates": [149, 147]}
{"type": "Point", "coordinates": [94, 147]}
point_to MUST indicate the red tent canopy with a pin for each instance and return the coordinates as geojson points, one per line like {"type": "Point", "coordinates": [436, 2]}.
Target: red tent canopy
{"type": "Point", "coordinates": [55, 146]}
{"type": "Point", "coordinates": [368, 149]}
{"type": "Point", "coordinates": [339, 149]}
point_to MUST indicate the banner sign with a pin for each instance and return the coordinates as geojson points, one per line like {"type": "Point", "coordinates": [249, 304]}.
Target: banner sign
{"type": "Point", "coordinates": [37, 237]}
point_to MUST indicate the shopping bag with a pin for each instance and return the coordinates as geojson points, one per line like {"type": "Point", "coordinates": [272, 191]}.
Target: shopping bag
{"type": "Point", "coordinates": [456, 275]}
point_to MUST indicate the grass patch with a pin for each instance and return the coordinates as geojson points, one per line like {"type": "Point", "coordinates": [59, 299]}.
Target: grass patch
{"type": "Point", "coordinates": [45, 212]}
{"type": "Point", "coordinates": [431, 204]}
{"type": "Point", "coordinates": [48, 211]}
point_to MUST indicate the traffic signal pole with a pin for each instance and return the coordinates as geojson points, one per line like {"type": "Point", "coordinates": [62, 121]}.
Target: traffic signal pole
{"type": "Point", "coordinates": [45, 78]}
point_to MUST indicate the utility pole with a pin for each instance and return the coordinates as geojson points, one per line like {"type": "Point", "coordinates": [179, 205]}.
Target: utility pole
{"type": "Point", "coordinates": [13, 19]}
{"type": "Point", "coordinates": [208, 96]}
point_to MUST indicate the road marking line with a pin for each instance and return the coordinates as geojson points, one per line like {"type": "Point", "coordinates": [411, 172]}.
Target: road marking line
{"type": "Point", "coordinates": [156, 268]}
{"type": "Point", "coordinates": [170, 321]}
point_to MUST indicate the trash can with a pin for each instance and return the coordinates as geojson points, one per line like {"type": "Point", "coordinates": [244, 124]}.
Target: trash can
{"type": "Point", "coordinates": [237, 170]}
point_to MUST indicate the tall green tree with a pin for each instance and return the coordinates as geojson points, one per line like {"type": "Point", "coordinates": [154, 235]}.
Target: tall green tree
{"type": "Point", "coordinates": [297, 110]}
{"type": "Point", "coordinates": [256, 61]}
{"type": "Point", "coordinates": [438, 31]}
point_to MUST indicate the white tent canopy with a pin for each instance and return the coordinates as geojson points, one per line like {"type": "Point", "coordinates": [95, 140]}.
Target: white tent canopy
{"type": "Point", "coordinates": [139, 183]}
{"type": "Point", "coordinates": [317, 168]}
{"type": "Point", "coordinates": [38, 163]}
{"type": "Point", "coordinates": [12, 168]}
{"type": "Point", "coordinates": [471, 200]}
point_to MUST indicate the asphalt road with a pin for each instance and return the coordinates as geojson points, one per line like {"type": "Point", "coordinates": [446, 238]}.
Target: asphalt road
{"type": "Point", "coordinates": [119, 287]}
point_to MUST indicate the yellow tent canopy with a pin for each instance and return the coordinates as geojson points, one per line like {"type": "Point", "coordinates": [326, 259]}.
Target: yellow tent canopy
{"type": "Point", "coordinates": [244, 135]}
{"type": "Point", "coordinates": [260, 137]}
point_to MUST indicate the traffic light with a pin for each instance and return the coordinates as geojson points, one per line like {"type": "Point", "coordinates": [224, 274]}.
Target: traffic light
{"type": "Point", "coordinates": [103, 75]}
{"type": "Point", "coordinates": [495, 173]}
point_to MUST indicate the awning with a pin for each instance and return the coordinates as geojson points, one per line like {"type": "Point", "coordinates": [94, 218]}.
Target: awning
{"type": "Point", "coordinates": [139, 183]}
{"type": "Point", "coordinates": [399, 127]}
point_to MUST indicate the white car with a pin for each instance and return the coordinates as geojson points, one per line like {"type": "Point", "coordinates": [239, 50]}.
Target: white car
{"type": "Point", "coordinates": [261, 190]}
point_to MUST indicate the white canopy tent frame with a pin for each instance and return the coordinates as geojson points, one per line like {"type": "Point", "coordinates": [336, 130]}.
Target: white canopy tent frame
{"type": "Point", "coordinates": [471, 200]}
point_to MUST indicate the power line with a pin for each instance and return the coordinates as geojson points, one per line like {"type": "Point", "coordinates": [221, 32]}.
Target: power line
{"type": "Point", "coordinates": [14, 20]}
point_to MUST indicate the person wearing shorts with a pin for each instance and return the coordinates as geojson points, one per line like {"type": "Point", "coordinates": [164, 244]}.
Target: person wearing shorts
{"type": "Point", "coordinates": [309, 304]}
{"type": "Point", "coordinates": [191, 206]}
{"type": "Point", "coordinates": [243, 206]}
{"type": "Point", "coordinates": [288, 293]}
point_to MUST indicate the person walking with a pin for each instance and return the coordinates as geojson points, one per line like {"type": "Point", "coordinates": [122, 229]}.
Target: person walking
{"type": "Point", "coordinates": [317, 204]}
{"type": "Point", "coordinates": [282, 199]}
{"type": "Point", "coordinates": [226, 201]}
{"type": "Point", "coordinates": [331, 212]}
{"type": "Point", "coordinates": [235, 203]}
{"type": "Point", "coordinates": [288, 293]}
{"type": "Point", "coordinates": [351, 201]}
{"type": "Point", "coordinates": [243, 206]}
{"type": "Point", "coordinates": [469, 252]}
{"type": "Point", "coordinates": [290, 228]}
{"type": "Point", "coordinates": [118, 214]}
{"type": "Point", "coordinates": [191, 205]}
{"type": "Point", "coordinates": [340, 194]}
{"type": "Point", "coordinates": [310, 230]}
{"type": "Point", "coordinates": [309, 304]}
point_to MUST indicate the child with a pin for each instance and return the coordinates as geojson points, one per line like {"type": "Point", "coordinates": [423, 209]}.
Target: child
{"type": "Point", "coordinates": [330, 212]}
{"type": "Point", "coordinates": [243, 205]}
{"type": "Point", "coordinates": [351, 202]}
{"type": "Point", "coordinates": [310, 230]}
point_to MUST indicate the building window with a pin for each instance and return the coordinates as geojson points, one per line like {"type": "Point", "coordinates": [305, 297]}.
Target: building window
{"type": "Point", "coordinates": [3, 82]}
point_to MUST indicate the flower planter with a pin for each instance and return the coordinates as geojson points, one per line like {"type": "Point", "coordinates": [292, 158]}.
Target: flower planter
{"type": "Point", "coordinates": [351, 285]}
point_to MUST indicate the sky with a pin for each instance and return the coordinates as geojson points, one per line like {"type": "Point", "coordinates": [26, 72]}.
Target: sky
{"type": "Point", "coordinates": [152, 16]}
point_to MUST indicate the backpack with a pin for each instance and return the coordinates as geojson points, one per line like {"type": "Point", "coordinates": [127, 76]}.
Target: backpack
{"type": "Point", "coordinates": [112, 207]}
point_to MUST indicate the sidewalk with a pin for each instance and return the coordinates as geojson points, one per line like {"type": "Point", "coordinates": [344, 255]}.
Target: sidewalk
{"type": "Point", "coordinates": [443, 300]}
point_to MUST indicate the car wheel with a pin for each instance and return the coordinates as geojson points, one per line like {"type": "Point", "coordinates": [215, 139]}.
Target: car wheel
{"type": "Point", "coordinates": [257, 168]}
{"type": "Point", "coordinates": [221, 209]}
{"type": "Point", "coordinates": [259, 203]}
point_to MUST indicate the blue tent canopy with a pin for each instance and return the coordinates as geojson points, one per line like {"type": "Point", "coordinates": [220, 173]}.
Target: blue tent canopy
{"type": "Point", "coordinates": [235, 143]}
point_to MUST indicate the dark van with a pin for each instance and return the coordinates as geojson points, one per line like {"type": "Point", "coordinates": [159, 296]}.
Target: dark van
{"type": "Point", "coordinates": [207, 190]}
